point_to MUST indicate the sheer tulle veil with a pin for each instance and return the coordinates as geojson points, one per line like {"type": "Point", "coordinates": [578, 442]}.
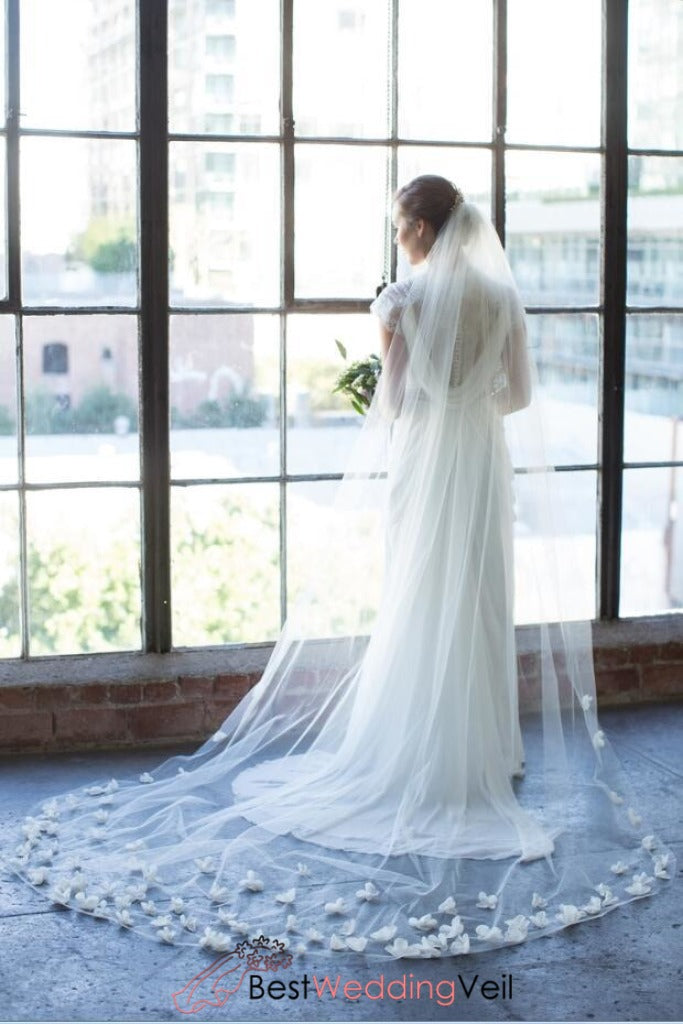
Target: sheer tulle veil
{"type": "Point", "coordinates": [378, 791]}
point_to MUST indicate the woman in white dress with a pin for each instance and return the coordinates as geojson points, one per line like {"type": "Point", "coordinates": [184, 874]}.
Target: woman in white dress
{"type": "Point", "coordinates": [373, 793]}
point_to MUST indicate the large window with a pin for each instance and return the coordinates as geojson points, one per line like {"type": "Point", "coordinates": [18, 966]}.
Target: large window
{"type": "Point", "coordinates": [169, 443]}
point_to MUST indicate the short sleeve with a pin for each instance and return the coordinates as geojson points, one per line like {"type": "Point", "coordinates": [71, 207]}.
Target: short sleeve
{"type": "Point", "coordinates": [390, 303]}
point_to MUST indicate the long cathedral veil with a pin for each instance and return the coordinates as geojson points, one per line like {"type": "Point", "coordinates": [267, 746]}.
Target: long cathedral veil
{"type": "Point", "coordinates": [374, 792]}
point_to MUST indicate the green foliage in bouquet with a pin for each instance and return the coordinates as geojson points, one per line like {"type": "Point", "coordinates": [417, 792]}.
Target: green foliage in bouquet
{"type": "Point", "coordinates": [359, 380]}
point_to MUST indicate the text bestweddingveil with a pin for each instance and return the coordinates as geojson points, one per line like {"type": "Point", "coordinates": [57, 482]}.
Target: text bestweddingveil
{"type": "Point", "coordinates": [443, 992]}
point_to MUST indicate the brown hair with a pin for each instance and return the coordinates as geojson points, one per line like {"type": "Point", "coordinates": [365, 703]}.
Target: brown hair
{"type": "Point", "coordinates": [428, 196]}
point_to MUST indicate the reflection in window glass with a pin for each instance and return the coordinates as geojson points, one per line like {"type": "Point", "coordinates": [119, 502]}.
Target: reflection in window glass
{"type": "Point", "coordinates": [233, 534]}
{"type": "Point", "coordinates": [340, 67]}
{"type": "Point", "coordinates": [81, 398]}
{"type": "Point", "coordinates": [224, 395]}
{"type": "Point", "coordinates": [654, 389]}
{"type": "Point", "coordinates": [565, 351]}
{"type": "Point", "coordinates": [554, 62]}
{"type": "Point", "coordinates": [655, 74]}
{"type": "Point", "coordinates": [568, 584]}
{"type": "Point", "coordinates": [78, 65]}
{"type": "Point", "coordinates": [335, 556]}
{"type": "Point", "coordinates": [224, 223]}
{"type": "Point", "coordinates": [652, 541]}
{"type": "Point", "coordinates": [79, 222]}
{"type": "Point", "coordinates": [323, 426]}
{"type": "Point", "coordinates": [655, 231]}
{"type": "Point", "coordinates": [83, 564]}
{"type": "Point", "coordinates": [553, 227]}
{"type": "Point", "coordinates": [445, 70]}
{"type": "Point", "coordinates": [224, 66]}
{"type": "Point", "coordinates": [9, 467]}
{"type": "Point", "coordinates": [10, 605]}
{"type": "Point", "coordinates": [341, 198]}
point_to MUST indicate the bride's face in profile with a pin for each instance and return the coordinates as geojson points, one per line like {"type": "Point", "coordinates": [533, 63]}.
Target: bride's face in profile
{"type": "Point", "coordinates": [415, 237]}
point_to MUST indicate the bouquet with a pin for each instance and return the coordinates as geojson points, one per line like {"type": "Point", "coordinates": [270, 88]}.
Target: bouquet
{"type": "Point", "coordinates": [359, 380]}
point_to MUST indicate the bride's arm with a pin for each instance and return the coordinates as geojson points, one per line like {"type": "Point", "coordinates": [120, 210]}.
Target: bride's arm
{"type": "Point", "coordinates": [517, 394]}
{"type": "Point", "coordinates": [394, 362]}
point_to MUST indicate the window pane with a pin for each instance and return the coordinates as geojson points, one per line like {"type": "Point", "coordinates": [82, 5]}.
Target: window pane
{"type": "Point", "coordinates": [652, 541]}
{"type": "Point", "coordinates": [336, 557]}
{"type": "Point", "coordinates": [565, 349]}
{"type": "Point", "coordinates": [224, 66]}
{"type": "Point", "coordinates": [655, 231]}
{"type": "Point", "coordinates": [655, 74]}
{"type": "Point", "coordinates": [574, 498]}
{"type": "Point", "coordinates": [654, 389]}
{"type": "Point", "coordinates": [78, 64]}
{"type": "Point", "coordinates": [79, 223]}
{"type": "Point", "coordinates": [340, 67]}
{"type": "Point", "coordinates": [8, 403]}
{"type": "Point", "coordinates": [10, 628]}
{"type": "Point", "coordinates": [445, 73]}
{"type": "Point", "coordinates": [224, 223]}
{"type": "Point", "coordinates": [83, 570]}
{"type": "Point", "coordinates": [3, 215]}
{"type": "Point", "coordinates": [225, 564]}
{"type": "Point", "coordinates": [341, 199]}
{"type": "Point", "coordinates": [554, 89]}
{"type": "Point", "coordinates": [323, 426]}
{"type": "Point", "coordinates": [225, 396]}
{"type": "Point", "coordinates": [553, 226]}
{"type": "Point", "coordinates": [3, 64]}
{"type": "Point", "coordinates": [81, 398]}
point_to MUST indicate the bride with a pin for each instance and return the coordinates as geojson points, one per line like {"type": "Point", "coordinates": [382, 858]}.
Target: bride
{"type": "Point", "coordinates": [376, 793]}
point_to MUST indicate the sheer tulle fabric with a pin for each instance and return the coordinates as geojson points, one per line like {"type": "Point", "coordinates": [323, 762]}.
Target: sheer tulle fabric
{"type": "Point", "coordinates": [375, 792]}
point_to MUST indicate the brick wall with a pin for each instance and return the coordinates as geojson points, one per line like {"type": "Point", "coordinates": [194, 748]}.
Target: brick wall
{"type": "Point", "coordinates": [130, 700]}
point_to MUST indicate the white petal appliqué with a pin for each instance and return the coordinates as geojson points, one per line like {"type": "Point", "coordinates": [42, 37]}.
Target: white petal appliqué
{"type": "Point", "coordinates": [286, 897]}
{"type": "Point", "coordinates": [424, 923]}
{"type": "Point", "coordinates": [634, 817]}
{"type": "Point", "coordinates": [461, 944]}
{"type": "Point", "coordinates": [251, 882]}
{"type": "Point", "coordinates": [335, 907]}
{"type": "Point", "coordinates": [598, 739]}
{"type": "Point", "coordinates": [569, 914]}
{"type": "Point", "coordinates": [537, 902]}
{"type": "Point", "coordinates": [648, 843]}
{"type": "Point", "coordinates": [487, 902]}
{"type": "Point", "coordinates": [619, 868]}
{"type": "Point", "coordinates": [486, 934]}
{"type": "Point", "coordinates": [448, 906]}
{"type": "Point", "coordinates": [402, 948]}
{"type": "Point", "coordinates": [539, 920]}
{"type": "Point", "coordinates": [207, 865]}
{"type": "Point", "coordinates": [146, 777]}
{"type": "Point", "coordinates": [368, 892]}
{"type": "Point", "coordinates": [384, 934]}
{"type": "Point", "coordinates": [586, 702]}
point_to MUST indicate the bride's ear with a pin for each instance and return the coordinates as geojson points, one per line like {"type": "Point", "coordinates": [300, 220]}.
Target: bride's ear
{"type": "Point", "coordinates": [419, 225]}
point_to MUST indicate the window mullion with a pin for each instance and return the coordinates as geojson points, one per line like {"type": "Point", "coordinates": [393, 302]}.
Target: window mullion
{"type": "Point", "coordinates": [612, 350]}
{"type": "Point", "coordinates": [499, 115]}
{"type": "Point", "coordinates": [154, 310]}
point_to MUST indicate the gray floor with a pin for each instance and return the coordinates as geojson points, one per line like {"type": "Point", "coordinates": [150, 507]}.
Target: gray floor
{"type": "Point", "coordinates": [626, 966]}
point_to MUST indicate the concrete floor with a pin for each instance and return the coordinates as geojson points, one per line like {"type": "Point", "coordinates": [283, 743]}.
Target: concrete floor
{"type": "Point", "coordinates": [627, 966]}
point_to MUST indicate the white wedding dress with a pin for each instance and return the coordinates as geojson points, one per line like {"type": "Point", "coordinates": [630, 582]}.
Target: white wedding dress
{"type": "Point", "coordinates": [373, 792]}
